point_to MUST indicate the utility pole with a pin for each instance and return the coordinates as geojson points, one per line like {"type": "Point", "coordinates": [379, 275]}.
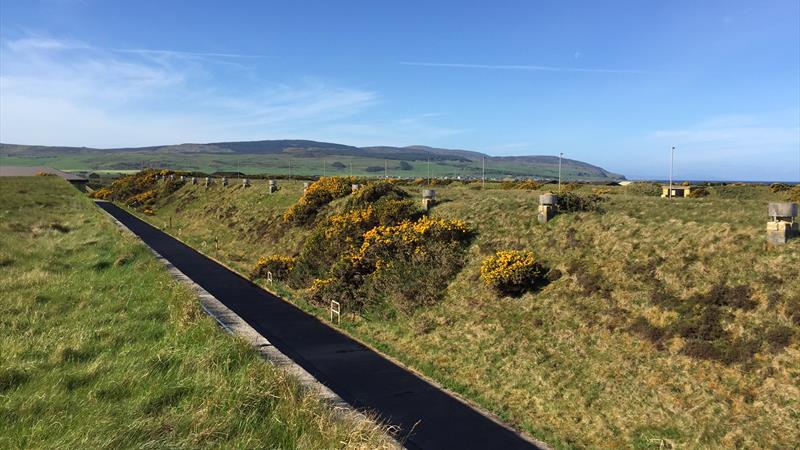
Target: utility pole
{"type": "Point", "coordinates": [483, 174]}
{"type": "Point", "coordinates": [560, 155]}
{"type": "Point", "coordinates": [429, 172]}
{"type": "Point", "coordinates": [237, 169]}
{"type": "Point", "coordinates": [290, 167]}
{"type": "Point", "coordinates": [324, 165]}
{"type": "Point", "coordinates": [671, 166]}
{"type": "Point", "coordinates": [351, 167]}
{"type": "Point", "coordinates": [385, 169]}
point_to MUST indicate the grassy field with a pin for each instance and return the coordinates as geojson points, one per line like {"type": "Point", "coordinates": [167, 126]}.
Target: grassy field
{"type": "Point", "coordinates": [283, 165]}
{"type": "Point", "coordinates": [101, 348]}
{"type": "Point", "coordinates": [607, 355]}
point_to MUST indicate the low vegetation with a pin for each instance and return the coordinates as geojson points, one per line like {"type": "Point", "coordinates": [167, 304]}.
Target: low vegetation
{"type": "Point", "coordinates": [102, 349]}
{"type": "Point", "coordinates": [646, 331]}
{"type": "Point", "coordinates": [319, 194]}
{"type": "Point", "coordinates": [512, 272]}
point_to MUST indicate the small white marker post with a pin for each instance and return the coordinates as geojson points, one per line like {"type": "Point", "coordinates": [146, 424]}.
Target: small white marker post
{"type": "Point", "coordinates": [269, 277]}
{"type": "Point", "coordinates": [336, 308]}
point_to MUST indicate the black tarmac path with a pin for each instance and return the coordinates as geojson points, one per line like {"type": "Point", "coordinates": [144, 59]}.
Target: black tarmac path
{"type": "Point", "coordinates": [361, 376]}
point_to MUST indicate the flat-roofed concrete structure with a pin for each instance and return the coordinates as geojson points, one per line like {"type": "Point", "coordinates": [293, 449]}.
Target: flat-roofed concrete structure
{"type": "Point", "coordinates": [32, 171]}
{"type": "Point", "coordinates": [677, 191]}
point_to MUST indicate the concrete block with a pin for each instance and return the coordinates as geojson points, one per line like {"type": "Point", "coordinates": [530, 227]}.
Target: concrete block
{"type": "Point", "coordinates": [782, 210]}
{"type": "Point", "coordinates": [548, 199]}
{"type": "Point", "coordinates": [546, 213]}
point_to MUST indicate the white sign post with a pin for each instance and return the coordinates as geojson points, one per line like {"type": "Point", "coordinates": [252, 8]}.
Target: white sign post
{"type": "Point", "coordinates": [336, 308]}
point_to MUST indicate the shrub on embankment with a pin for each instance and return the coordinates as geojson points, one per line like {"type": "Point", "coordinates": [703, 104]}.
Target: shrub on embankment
{"type": "Point", "coordinates": [318, 194]}
{"type": "Point", "coordinates": [141, 189]}
{"type": "Point", "coordinates": [380, 251]}
{"type": "Point", "coordinates": [512, 272]}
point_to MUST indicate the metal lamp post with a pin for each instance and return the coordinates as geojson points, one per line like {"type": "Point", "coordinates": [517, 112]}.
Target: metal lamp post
{"type": "Point", "coordinates": [671, 166]}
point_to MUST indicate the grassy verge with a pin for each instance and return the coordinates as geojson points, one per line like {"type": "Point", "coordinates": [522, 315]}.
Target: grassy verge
{"type": "Point", "coordinates": [570, 363]}
{"type": "Point", "coordinates": [101, 348]}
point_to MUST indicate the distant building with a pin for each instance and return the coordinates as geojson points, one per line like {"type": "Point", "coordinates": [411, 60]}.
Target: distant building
{"type": "Point", "coordinates": [677, 191]}
{"type": "Point", "coordinates": [32, 171]}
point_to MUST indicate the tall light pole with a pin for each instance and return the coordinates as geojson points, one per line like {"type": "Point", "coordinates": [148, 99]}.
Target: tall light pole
{"type": "Point", "coordinates": [560, 155]}
{"type": "Point", "coordinates": [483, 174]}
{"type": "Point", "coordinates": [671, 166]}
{"type": "Point", "coordinates": [429, 171]}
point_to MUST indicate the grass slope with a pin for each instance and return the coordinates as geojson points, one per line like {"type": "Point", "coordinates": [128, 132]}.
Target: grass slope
{"type": "Point", "coordinates": [101, 348]}
{"type": "Point", "coordinates": [566, 363]}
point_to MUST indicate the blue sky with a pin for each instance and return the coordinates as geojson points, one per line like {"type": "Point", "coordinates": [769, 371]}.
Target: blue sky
{"type": "Point", "coordinates": [613, 83]}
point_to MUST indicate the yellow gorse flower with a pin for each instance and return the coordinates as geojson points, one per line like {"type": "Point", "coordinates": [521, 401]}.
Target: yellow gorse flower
{"type": "Point", "coordinates": [319, 193]}
{"type": "Point", "coordinates": [509, 267]}
{"type": "Point", "coordinates": [412, 234]}
{"type": "Point", "coordinates": [342, 224]}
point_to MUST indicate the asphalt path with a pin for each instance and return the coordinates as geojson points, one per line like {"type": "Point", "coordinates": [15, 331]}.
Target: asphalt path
{"type": "Point", "coordinates": [428, 417]}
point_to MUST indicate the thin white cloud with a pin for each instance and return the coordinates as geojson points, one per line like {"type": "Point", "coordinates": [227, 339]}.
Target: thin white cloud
{"type": "Point", "coordinates": [518, 67]}
{"type": "Point", "coordinates": [177, 53]}
{"type": "Point", "coordinates": [63, 92]}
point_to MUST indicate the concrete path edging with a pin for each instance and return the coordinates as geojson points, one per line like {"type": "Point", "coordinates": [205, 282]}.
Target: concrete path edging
{"type": "Point", "coordinates": [235, 325]}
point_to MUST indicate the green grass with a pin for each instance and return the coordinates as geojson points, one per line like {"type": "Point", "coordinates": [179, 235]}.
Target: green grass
{"type": "Point", "coordinates": [565, 363]}
{"type": "Point", "coordinates": [280, 165]}
{"type": "Point", "coordinates": [101, 348]}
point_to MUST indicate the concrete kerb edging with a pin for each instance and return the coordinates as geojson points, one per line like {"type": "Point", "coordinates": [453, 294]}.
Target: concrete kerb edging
{"type": "Point", "coordinates": [233, 324]}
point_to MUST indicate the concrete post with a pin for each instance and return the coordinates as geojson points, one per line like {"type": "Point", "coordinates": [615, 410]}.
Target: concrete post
{"type": "Point", "coordinates": [194, 180]}
{"type": "Point", "coordinates": [428, 198]}
{"type": "Point", "coordinates": [273, 186]}
{"type": "Point", "coordinates": [245, 182]}
{"type": "Point", "coordinates": [547, 207]}
{"type": "Point", "coordinates": [224, 181]}
{"type": "Point", "coordinates": [782, 226]}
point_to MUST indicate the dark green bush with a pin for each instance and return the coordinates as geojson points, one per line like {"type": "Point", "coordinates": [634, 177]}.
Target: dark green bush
{"type": "Point", "coordinates": [643, 189]}
{"type": "Point", "coordinates": [373, 192]}
{"type": "Point", "coordinates": [572, 202]}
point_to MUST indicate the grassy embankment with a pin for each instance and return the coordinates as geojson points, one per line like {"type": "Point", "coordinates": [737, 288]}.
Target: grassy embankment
{"type": "Point", "coordinates": [280, 165]}
{"type": "Point", "coordinates": [101, 348]}
{"type": "Point", "coordinates": [600, 357]}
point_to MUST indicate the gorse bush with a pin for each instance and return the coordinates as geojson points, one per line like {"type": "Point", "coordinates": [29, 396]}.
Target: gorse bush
{"type": "Point", "coordinates": [141, 189]}
{"type": "Point", "coordinates": [794, 194]}
{"type": "Point", "coordinates": [402, 266]}
{"type": "Point", "coordinates": [102, 194]}
{"type": "Point", "coordinates": [528, 185]}
{"type": "Point", "coordinates": [319, 194]}
{"type": "Point", "coordinates": [643, 189]}
{"type": "Point", "coordinates": [570, 187]}
{"type": "Point", "coordinates": [512, 272]}
{"type": "Point", "coordinates": [375, 191]}
{"type": "Point", "coordinates": [572, 202]}
{"type": "Point", "coordinates": [343, 233]}
{"type": "Point", "coordinates": [698, 192]}
{"type": "Point", "coordinates": [279, 266]}
{"type": "Point", "coordinates": [779, 187]}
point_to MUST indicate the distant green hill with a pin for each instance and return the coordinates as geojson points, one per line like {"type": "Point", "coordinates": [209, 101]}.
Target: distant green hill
{"type": "Point", "coordinates": [302, 157]}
